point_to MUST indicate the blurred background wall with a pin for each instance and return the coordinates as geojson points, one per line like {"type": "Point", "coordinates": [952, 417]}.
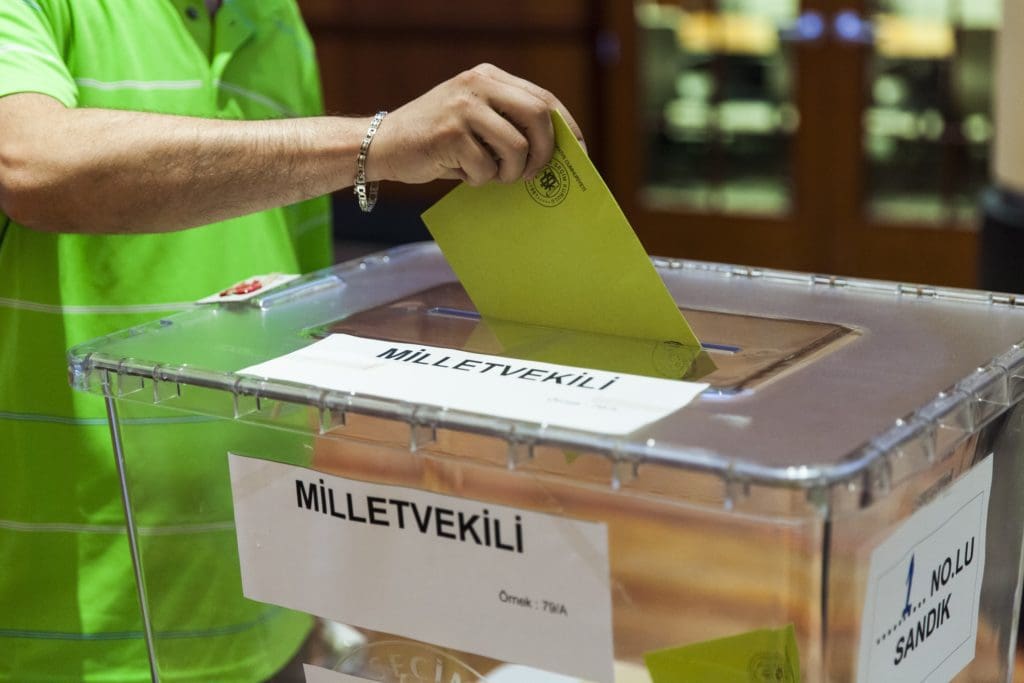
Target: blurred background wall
{"type": "Point", "coordinates": [852, 138]}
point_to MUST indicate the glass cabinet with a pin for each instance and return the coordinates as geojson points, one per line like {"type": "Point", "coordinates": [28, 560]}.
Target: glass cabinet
{"type": "Point", "coordinates": [836, 137]}
{"type": "Point", "coordinates": [718, 109]}
{"type": "Point", "coordinates": [928, 119]}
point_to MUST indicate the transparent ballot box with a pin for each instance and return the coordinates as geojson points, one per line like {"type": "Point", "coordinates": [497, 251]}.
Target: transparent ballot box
{"type": "Point", "coordinates": [851, 475]}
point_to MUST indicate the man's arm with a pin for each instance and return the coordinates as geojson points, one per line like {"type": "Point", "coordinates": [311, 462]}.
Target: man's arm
{"type": "Point", "coordinates": [105, 171]}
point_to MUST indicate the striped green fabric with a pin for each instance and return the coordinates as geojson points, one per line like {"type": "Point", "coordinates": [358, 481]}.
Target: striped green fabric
{"type": "Point", "coordinates": [68, 610]}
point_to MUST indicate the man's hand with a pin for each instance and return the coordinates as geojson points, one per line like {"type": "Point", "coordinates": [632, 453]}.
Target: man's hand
{"type": "Point", "coordinates": [483, 125]}
{"type": "Point", "coordinates": [105, 171]}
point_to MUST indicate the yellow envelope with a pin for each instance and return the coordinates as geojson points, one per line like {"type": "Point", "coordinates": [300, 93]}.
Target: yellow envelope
{"type": "Point", "coordinates": [556, 251]}
{"type": "Point", "coordinates": [763, 656]}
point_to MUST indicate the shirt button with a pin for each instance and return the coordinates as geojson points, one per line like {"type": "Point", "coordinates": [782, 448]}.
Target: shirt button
{"type": "Point", "coordinates": [192, 13]}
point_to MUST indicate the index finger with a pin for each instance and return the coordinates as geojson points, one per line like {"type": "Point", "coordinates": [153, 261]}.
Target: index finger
{"type": "Point", "coordinates": [504, 77]}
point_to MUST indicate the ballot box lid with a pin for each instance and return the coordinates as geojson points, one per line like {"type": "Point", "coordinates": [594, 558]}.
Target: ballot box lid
{"type": "Point", "coordinates": [818, 380]}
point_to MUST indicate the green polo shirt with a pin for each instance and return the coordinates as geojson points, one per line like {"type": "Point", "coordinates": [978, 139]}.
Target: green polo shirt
{"type": "Point", "coordinates": [68, 607]}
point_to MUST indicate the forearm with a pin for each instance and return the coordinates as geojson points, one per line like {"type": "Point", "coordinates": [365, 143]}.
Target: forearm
{"type": "Point", "coordinates": [103, 171]}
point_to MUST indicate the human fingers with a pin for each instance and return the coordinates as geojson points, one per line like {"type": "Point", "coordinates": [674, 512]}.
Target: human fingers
{"type": "Point", "coordinates": [553, 102]}
{"type": "Point", "coordinates": [475, 161]}
{"type": "Point", "coordinates": [530, 115]}
{"type": "Point", "coordinates": [506, 142]}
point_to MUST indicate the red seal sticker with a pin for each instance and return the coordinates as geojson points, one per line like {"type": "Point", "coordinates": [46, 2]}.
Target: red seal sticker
{"type": "Point", "coordinates": [252, 286]}
{"type": "Point", "coordinates": [247, 287]}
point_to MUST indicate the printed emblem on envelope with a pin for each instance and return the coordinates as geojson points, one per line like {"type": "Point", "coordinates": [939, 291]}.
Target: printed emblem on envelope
{"type": "Point", "coordinates": [551, 185]}
{"type": "Point", "coordinates": [770, 667]}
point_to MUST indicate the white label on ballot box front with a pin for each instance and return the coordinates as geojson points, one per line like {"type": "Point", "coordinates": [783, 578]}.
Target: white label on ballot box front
{"type": "Point", "coordinates": [315, 674]}
{"type": "Point", "coordinates": [920, 618]}
{"type": "Point", "coordinates": [546, 393]}
{"type": "Point", "coordinates": [514, 585]}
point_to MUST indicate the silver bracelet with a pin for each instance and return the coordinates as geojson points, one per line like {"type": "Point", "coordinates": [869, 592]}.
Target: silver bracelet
{"type": "Point", "coordinates": [366, 192]}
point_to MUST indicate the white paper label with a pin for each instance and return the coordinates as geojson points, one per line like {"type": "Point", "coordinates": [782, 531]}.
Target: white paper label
{"type": "Point", "coordinates": [506, 673]}
{"type": "Point", "coordinates": [254, 286]}
{"type": "Point", "coordinates": [921, 614]}
{"type": "Point", "coordinates": [316, 674]}
{"type": "Point", "coordinates": [515, 585]}
{"type": "Point", "coordinates": [529, 391]}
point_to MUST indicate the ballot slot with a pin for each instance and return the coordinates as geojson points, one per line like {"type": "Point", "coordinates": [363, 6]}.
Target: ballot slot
{"type": "Point", "coordinates": [710, 347]}
{"type": "Point", "coordinates": [739, 351]}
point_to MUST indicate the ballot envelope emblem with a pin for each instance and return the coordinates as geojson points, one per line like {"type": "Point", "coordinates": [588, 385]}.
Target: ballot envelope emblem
{"type": "Point", "coordinates": [770, 667]}
{"type": "Point", "coordinates": [551, 185]}
{"type": "Point", "coordinates": [672, 359]}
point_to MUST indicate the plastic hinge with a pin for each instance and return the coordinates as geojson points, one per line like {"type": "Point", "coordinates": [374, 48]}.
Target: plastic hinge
{"type": "Point", "coordinates": [660, 262]}
{"type": "Point", "coordinates": [623, 472]}
{"type": "Point", "coordinates": [624, 467]}
{"type": "Point", "coordinates": [819, 497]}
{"type": "Point", "coordinates": [903, 432]}
{"type": "Point", "coordinates": [245, 396]}
{"type": "Point", "coordinates": [952, 414]}
{"type": "Point", "coordinates": [332, 416]}
{"type": "Point", "coordinates": [165, 384]}
{"type": "Point", "coordinates": [909, 447]}
{"type": "Point", "coordinates": [423, 426]}
{"type": "Point", "coordinates": [1013, 363]}
{"type": "Point", "coordinates": [520, 447]}
{"type": "Point", "coordinates": [1003, 299]}
{"type": "Point", "coordinates": [127, 383]}
{"type": "Point", "coordinates": [988, 388]}
{"type": "Point", "coordinates": [81, 373]}
{"type": "Point", "coordinates": [868, 480]}
{"type": "Point", "coordinates": [877, 478]}
{"type": "Point", "coordinates": [915, 290]}
{"type": "Point", "coordinates": [828, 280]}
{"type": "Point", "coordinates": [737, 488]}
{"type": "Point", "coordinates": [519, 453]}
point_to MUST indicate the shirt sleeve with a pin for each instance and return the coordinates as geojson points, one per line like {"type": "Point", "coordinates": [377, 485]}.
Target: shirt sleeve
{"type": "Point", "coordinates": [31, 33]}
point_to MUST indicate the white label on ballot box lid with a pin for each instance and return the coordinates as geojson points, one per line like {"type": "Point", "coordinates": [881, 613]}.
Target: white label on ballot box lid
{"type": "Point", "coordinates": [920, 617]}
{"type": "Point", "coordinates": [251, 287]}
{"type": "Point", "coordinates": [530, 391]}
{"type": "Point", "coordinates": [515, 585]}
